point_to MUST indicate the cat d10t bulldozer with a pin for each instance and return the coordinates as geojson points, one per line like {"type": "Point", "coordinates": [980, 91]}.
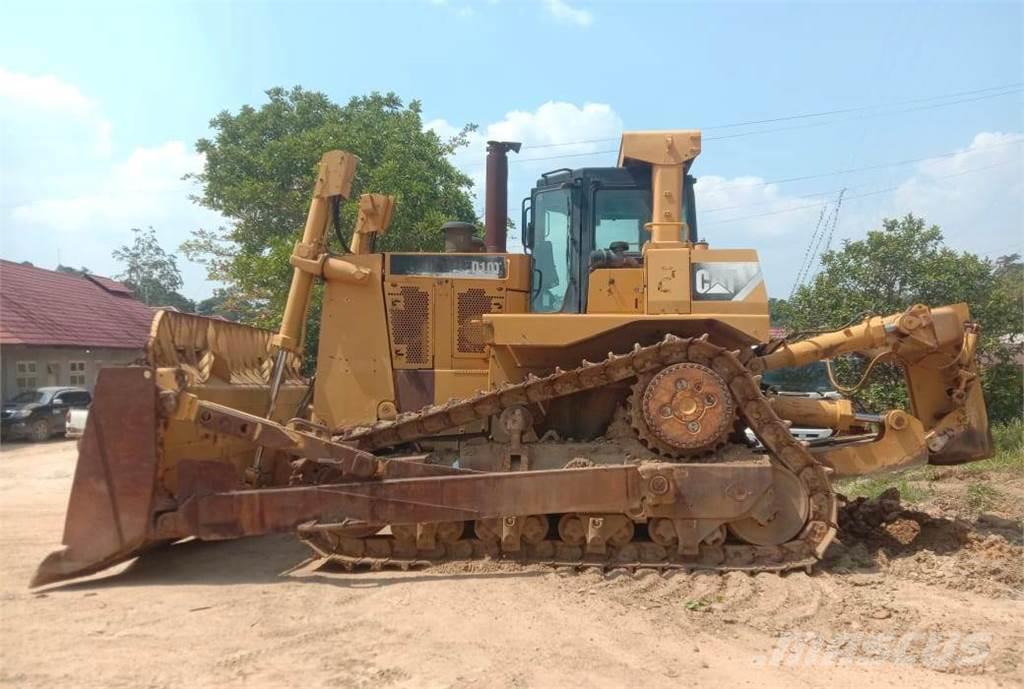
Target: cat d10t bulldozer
{"type": "Point", "coordinates": [590, 401]}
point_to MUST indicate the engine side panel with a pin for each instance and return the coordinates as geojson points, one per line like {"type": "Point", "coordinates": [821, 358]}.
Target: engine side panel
{"type": "Point", "coordinates": [435, 308]}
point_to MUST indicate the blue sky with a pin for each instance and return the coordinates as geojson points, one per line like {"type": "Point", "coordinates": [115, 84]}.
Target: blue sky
{"type": "Point", "coordinates": [100, 106]}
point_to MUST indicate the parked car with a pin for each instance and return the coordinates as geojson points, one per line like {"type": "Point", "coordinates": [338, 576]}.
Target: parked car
{"type": "Point", "coordinates": [809, 381]}
{"type": "Point", "coordinates": [39, 414]}
{"type": "Point", "coordinates": [74, 422]}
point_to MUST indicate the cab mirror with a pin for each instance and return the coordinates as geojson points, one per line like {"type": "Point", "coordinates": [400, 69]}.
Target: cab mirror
{"type": "Point", "coordinates": [526, 222]}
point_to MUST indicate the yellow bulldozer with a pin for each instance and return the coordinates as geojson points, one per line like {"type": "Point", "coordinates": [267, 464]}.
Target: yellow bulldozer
{"type": "Point", "coordinates": [598, 400]}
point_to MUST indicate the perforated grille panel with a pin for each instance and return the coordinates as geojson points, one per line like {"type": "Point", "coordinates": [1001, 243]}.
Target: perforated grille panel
{"type": "Point", "coordinates": [409, 311]}
{"type": "Point", "coordinates": [472, 304]}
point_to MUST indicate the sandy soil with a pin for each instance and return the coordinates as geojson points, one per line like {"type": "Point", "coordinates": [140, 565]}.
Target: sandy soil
{"type": "Point", "coordinates": [228, 615]}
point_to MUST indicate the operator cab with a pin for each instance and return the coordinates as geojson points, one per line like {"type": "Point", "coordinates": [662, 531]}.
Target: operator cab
{"type": "Point", "coordinates": [577, 220]}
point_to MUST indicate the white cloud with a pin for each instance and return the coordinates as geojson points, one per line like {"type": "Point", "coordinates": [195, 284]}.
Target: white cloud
{"type": "Point", "coordinates": [45, 92]}
{"type": "Point", "coordinates": [49, 96]}
{"type": "Point", "coordinates": [563, 11]}
{"type": "Point", "coordinates": [442, 127]}
{"type": "Point", "coordinates": [552, 131]}
{"type": "Point", "coordinates": [557, 122]}
{"type": "Point", "coordinates": [66, 198]}
{"type": "Point", "coordinates": [723, 201]}
{"type": "Point", "coordinates": [976, 196]}
{"type": "Point", "coordinates": [141, 190]}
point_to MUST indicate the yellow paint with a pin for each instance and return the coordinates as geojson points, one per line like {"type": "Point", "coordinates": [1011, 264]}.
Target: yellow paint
{"type": "Point", "coordinates": [458, 383]}
{"type": "Point", "coordinates": [354, 364]}
{"type": "Point", "coordinates": [616, 290]}
{"type": "Point", "coordinates": [668, 280]}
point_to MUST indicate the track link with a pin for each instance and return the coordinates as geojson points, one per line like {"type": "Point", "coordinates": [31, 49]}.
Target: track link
{"type": "Point", "coordinates": [785, 452]}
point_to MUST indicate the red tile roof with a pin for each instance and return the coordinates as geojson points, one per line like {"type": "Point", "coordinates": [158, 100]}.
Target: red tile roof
{"type": "Point", "coordinates": [45, 307]}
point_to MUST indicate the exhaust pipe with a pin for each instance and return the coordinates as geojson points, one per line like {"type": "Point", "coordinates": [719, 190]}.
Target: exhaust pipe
{"type": "Point", "coordinates": [496, 195]}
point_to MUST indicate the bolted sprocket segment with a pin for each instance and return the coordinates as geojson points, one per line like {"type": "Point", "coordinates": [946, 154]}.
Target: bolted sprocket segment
{"type": "Point", "coordinates": [682, 410]}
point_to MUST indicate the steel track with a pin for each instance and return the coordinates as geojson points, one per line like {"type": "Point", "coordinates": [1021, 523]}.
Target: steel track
{"type": "Point", "coordinates": [785, 452]}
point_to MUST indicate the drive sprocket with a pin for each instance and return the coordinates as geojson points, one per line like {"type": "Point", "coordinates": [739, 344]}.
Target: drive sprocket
{"type": "Point", "coordinates": [683, 410]}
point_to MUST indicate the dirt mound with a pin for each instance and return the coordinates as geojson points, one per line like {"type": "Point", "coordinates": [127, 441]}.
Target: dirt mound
{"type": "Point", "coordinates": [881, 534]}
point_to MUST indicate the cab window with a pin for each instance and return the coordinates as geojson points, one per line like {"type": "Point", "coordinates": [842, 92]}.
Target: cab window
{"type": "Point", "coordinates": [620, 216]}
{"type": "Point", "coordinates": [551, 246]}
{"type": "Point", "coordinates": [73, 399]}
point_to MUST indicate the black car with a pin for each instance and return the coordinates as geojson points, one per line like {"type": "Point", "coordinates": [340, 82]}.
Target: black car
{"type": "Point", "coordinates": [39, 414]}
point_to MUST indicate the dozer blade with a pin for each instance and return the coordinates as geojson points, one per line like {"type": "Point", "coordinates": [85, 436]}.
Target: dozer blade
{"type": "Point", "coordinates": [127, 471]}
{"type": "Point", "coordinates": [111, 499]}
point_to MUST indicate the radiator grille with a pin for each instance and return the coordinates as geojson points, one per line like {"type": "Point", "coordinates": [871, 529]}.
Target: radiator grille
{"type": "Point", "coordinates": [472, 304]}
{"type": "Point", "coordinates": [409, 313]}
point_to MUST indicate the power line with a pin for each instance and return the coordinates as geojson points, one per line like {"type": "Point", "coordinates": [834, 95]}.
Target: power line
{"type": "Point", "coordinates": [565, 155]}
{"type": "Point", "coordinates": [807, 252]}
{"type": "Point", "coordinates": [1014, 88]}
{"type": "Point", "coordinates": [818, 244]}
{"type": "Point", "coordinates": [769, 202]}
{"type": "Point", "coordinates": [880, 166]}
{"type": "Point", "coordinates": [869, 107]}
{"type": "Point", "coordinates": [867, 168]}
{"type": "Point", "coordinates": [848, 119]}
{"type": "Point", "coordinates": [831, 230]}
{"type": "Point", "coordinates": [850, 198]}
{"type": "Point", "coordinates": [769, 131]}
{"type": "Point", "coordinates": [826, 192]}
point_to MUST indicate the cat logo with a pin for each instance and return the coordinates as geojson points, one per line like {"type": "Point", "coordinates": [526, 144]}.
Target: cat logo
{"type": "Point", "coordinates": [725, 280]}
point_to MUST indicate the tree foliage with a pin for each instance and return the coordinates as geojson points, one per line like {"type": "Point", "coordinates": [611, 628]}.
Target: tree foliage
{"type": "Point", "coordinates": [904, 263]}
{"type": "Point", "coordinates": [151, 272]}
{"type": "Point", "coordinates": [225, 303]}
{"type": "Point", "coordinates": [80, 272]}
{"type": "Point", "coordinates": [259, 172]}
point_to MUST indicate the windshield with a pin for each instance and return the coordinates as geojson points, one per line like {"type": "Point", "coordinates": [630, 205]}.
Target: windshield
{"type": "Point", "coordinates": [550, 250]}
{"type": "Point", "coordinates": [620, 215]}
{"type": "Point", "coordinates": [30, 397]}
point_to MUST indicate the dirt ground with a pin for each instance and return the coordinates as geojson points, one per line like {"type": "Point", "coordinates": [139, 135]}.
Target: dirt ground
{"type": "Point", "coordinates": [920, 600]}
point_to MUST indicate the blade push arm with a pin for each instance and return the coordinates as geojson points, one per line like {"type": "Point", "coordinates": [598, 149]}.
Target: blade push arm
{"type": "Point", "coordinates": [936, 350]}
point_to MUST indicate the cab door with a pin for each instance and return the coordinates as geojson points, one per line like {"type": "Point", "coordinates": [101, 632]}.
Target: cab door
{"type": "Point", "coordinates": [554, 232]}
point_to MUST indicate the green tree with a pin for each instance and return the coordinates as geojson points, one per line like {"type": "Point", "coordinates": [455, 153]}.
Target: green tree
{"type": "Point", "coordinates": [259, 173]}
{"type": "Point", "coordinates": [905, 263]}
{"type": "Point", "coordinates": [151, 272]}
{"type": "Point", "coordinates": [80, 272]}
{"type": "Point", "coordinates": [778, 310]}
{"type": "Point", "coordinates": [225, 303]}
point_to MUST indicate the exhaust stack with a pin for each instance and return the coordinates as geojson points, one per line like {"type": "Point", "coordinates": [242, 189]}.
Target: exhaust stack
{"type": "Point", "coordinates": [496, 195]}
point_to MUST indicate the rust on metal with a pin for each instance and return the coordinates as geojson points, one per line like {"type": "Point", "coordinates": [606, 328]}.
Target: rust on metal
{"type": "Point", "coordinates": [414, 389]}
{"type": "Point", "coordinates": [408, 501]}
{"type": "Point", "coordinates": [496, 195]}
{"type": "Point", "coordinates": [112, 495]}
{"type": "Point", "coordinates": [688, 407]}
